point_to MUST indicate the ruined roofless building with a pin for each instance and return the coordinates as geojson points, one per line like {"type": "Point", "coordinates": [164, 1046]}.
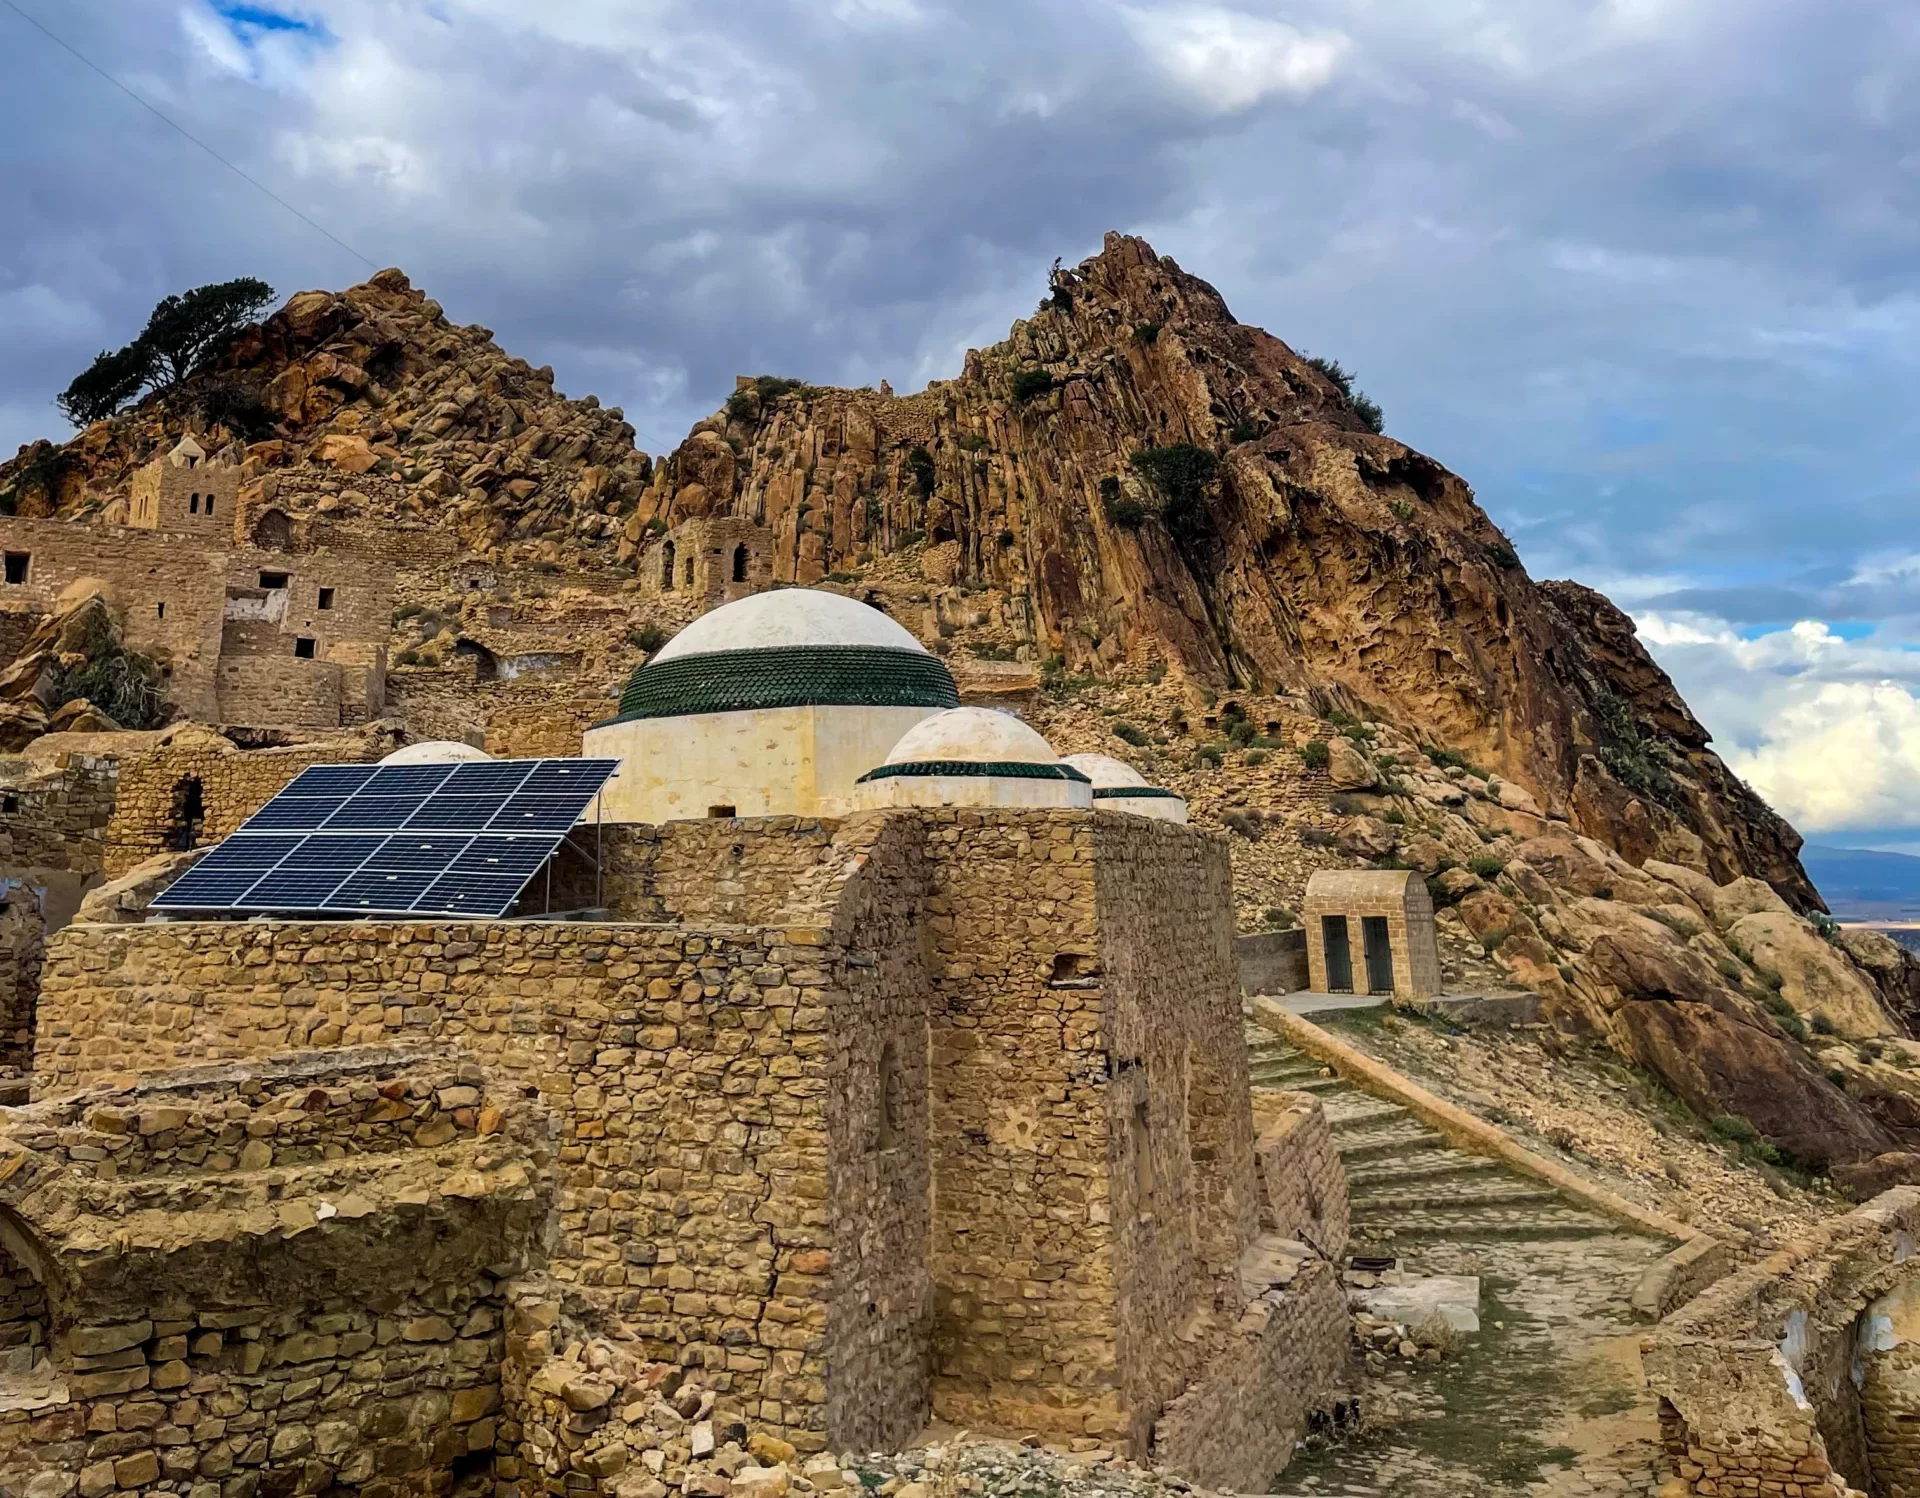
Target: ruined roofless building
{"type": "Point", "coordinates": [242, 635]}
{"type": "Point", "coordinates": [929, 1111]}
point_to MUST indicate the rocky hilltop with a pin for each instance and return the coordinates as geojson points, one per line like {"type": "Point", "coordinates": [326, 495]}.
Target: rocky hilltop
{"type": "Point", "coordinates": [1132, 481]}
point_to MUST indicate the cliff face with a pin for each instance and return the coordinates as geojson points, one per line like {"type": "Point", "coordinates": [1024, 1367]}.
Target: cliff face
{"type": "Point", "coordinates": [1297, 552]}
{"type": "Point", "coordinates": [1133, 476]}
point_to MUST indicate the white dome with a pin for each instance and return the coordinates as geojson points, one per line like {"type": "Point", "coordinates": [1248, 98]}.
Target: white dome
{"type": "Point", "coordinates": [1106, 772]}
{"type": "Point", "coordinates": [975, 735]}
{"type": "Point", "coordinates": [435, 752]}
{"type": "Point", "coordinates": [786, 617]}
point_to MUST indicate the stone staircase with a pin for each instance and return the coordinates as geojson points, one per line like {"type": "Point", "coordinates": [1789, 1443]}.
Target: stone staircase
{"type": "Point", "coordinates": [1406, 1184]}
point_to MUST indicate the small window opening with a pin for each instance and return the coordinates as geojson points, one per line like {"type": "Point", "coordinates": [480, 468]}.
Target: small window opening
{"type": "Point", "coordinates": [1142, 1157]}
{"type": "Point", "coordinates": [160, 611]}
{"type": "Point", "coordinates": [16, 566]}
{"type": "Point", "coordinates": [722, 811]}
{"type": "Point", "coordinates": [889, 1108]}
{"type": "Point", "coordinates": [188, 818]}
{"type": "Point", "coordinates": [303, 648]}
{"type": "Point", "coordinates": [666, 567]}
{"type": "Point", "coordinates": [739, 564]}
{"type": "Point", "coordinates": [326, 598]}
{"type": "Point", "coordinates": [687, 572]}
{"type": "Point", "coordinates": [209, 509]}
{"type": "Point", "coordinates": [193, 504]}
{"type": "Point", "coordinates": [9, 804]}
{"type": "Point", "coordinates": [273, 581]}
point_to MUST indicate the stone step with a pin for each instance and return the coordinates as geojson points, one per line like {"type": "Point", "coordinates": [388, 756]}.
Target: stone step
{"type": "Point", "coordinates": [1321, 1085]}
{"type": "Point", "coordinates": [1468, 1224]}
{"type": "Point", "coordinates": [1347, 1111]}
{"type": "Point", "coordinates": [1423, 1165]}
{"type": "Point", "coordinates": [1450, 1195]}
{"type": "Point", "coordinates": [1407, 1137]}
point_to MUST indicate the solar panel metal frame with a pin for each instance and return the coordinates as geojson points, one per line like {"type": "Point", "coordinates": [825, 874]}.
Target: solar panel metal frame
{"type": "Point", "coordinates": [476, 795]}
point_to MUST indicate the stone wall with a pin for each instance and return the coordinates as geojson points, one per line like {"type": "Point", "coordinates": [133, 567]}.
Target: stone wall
{"type": "Point", "coordinates": [1303, 1186]}
{"type": "Point", "coordinates": [689, 1071]}
{"type": "Point", "coordinates": [22, 950]}
{"type": "Point", "coordinates": [1795, 1375]}
{"type": "Point", "coordinates": [56, 819]}
{"type": "Point", "coordinates": [150, 816]}
{"type": "Point", "coordinates": [301, 1285]}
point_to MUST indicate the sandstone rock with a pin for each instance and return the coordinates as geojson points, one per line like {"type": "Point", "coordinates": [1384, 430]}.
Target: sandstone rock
{"type": "Point", "coordinates": [124, 901]}
{"type": "Point", "coordinates": [1368, 836]}
{"type": "Point", "coordinates": [762, 1482]}
{"type": "Point", "coordinates": [1516, 797]}
{"type": "Point", "coordinates": [81, 716]}
{"type": "Point", "coordinates": [1348, 768]}
{"type": "Point", "coordinates": [1815, 977]}
{"type": "Point", "coordinates": [1743, 897]}
{"type": "Point", "coordinates": [1865, 1179]}
{"type": "Point", "coordinates": [346, 453]}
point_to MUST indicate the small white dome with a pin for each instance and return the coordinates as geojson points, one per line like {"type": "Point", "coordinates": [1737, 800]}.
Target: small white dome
{"type": "Point", "coordinates": [975, 735]}
{"type": "Point", "coordinates": [435, 752]}
{"type": "Point", "coordinates": [787, 617]}
{"type": "Point", "coordinates": [1105, 771]}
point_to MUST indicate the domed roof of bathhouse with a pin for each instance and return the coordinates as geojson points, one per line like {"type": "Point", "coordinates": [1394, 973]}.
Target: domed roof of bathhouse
{"type": "Point", "coordinates": [974, 741]}
{"type": "Point", "coordinates": [1115, 779]}
{"type": "Point", "coordinates": [792, 647]}
{"type": "Point", "coordinates": [436, 752]}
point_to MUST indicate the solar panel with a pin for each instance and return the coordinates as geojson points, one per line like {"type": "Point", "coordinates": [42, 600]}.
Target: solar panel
{"type": "Point", "coordinates": [395, 840]}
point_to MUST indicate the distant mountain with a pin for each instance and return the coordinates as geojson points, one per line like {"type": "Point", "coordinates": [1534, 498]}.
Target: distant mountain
{"type": "Point", "coordinates": [1860, 885]}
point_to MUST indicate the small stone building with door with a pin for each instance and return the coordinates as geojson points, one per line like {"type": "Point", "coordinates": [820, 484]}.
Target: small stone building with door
{"type": "Point", "coordinates": [1371, 931]}
{"type": "Point", "coordinates": [711, 560]}
{"type": "Point", "coordinates": [241, 635]}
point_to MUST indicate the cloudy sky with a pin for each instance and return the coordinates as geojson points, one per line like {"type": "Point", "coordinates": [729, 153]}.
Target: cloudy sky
{"type": "Point", "coordinates": [1644, 271]}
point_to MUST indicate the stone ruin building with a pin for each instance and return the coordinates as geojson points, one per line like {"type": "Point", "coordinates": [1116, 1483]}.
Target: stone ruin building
{"type": "Point", "coordinates": [714, 559]}
{"type": "Point", "coordinates": [241, 634]}
{"type": "Point", "coordinates": [813, 1129]}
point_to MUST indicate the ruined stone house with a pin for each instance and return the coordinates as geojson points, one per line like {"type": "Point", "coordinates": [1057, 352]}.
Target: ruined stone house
{"type": "Point", "coordinates": [241, 634]}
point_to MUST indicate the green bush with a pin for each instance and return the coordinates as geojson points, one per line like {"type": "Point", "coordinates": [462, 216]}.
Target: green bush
{"type": "Point", "coordinates": [1794, 1026]}
{"type": "Point", "coordinates": [764, 391]}
{"type": "Point", "coordinates": [1278, 917]}
{"type": "Point", "coordinates": [1395, 817]}
{"type": "Point", "coordinates": [184, 333]}
{"type": "Point", "coordinates": [1181, 473]}
{"type": "Point", "coordinates": [1369, 412]}
{"type": "Point", "coordinates": [1315, 754]}
{"type": "Point", "coordinates": [1030, 385]}
{"type": "Point", "coordinates": [1493, 940]}
{"type": "Point", "coordinates": [1486, 866]}
{"type": "Point", "coordinates": [1209, 754]}
{"type": "Point", "coordinates": [1254, 757]}
{"type": "Point", "coordinates": [407, 658]}
{"type": "Point", "coordinates": [1146, 334]}
{"type": "Point", "coordinates": [1502, 555]}
{"type": "Point", "coordinates": [648, 637]}
{"type": "Point", "coordinates": [1822, 1022]}
{"type": "Point", "coordinates": [1241, 731]}
{"type": "Point", "coordinates": [1119, 507]}
{"type": "Point", "coordinates": [1246, 822]}
{"type": "Point", "coordinates": [122, 683]}
{"type": "Point", "coordinates": [1732, 1127]}
{"type": "Point", "coordinates": [920, 465]}
{"type": "Point", "coordinates": [1129, 734]}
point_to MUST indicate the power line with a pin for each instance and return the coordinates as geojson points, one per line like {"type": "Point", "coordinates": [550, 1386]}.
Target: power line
{"type": "Point", "coordinates": [165, 119]}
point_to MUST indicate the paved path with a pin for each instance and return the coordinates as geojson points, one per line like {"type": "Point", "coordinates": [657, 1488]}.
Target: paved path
{"type": "Point", "coordinates": [1546, 1399]}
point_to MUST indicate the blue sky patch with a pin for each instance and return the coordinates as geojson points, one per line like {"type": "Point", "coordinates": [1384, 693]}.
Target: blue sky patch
{"type": "Point", "coordinates": [248, 22]}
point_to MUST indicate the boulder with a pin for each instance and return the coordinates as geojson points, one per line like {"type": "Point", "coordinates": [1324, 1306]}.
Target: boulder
{"type": "Point", "coordinates": [1348, 768]}
{"type": "Point", "coordinates": [1816, 977]}
{"type": "Point", "coordinates": [1695, 885]}
{"type": "Point", "coordinates": [81, 716]}
{"type": "Point", "coordinates": [1863, 1180]}
{"type": "Point", "coordinates": [21, 723]}
{"type": "Point", "coordinates": [124, 901]}
{"type": "Point", "coordinates": [1744, 897]}
{"type": "Point", "coordinates": [1517, 797]}
{"type": "Point", "coordinates": [349, 454]}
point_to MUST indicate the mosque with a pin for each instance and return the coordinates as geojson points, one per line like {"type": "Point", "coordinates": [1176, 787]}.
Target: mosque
{"type": "Point", "coordinates": [894, 1072]}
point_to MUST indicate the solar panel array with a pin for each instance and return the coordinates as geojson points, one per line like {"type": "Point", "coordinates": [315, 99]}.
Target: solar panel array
{"type": "Point", "coordinates": [460, 839]}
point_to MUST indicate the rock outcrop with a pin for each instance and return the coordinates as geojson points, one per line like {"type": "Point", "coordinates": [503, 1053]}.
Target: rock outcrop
{"type": "Point", "coordinates": [1133, 477]}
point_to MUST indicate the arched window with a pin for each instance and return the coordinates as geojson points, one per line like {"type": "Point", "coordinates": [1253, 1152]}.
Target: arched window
{"type": "Point", "coordinates": [688, 574]}
{"type": "Point", "coordinates": [666, 567]}
{"type": "Point", "coordinates": [193, 504]}
{"type": "Point", "coordinates": [740, 563]}
{"type": "Point", "coordinates": [209, 509]}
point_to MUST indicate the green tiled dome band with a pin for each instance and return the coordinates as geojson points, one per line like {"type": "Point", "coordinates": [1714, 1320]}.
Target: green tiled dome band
{"type": "Point", "coordinates": [1009, 769]}
{"type": "Point", "coordinates": [737, 681]}
{"type": "Point", "coordinates": [1133, 790]}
